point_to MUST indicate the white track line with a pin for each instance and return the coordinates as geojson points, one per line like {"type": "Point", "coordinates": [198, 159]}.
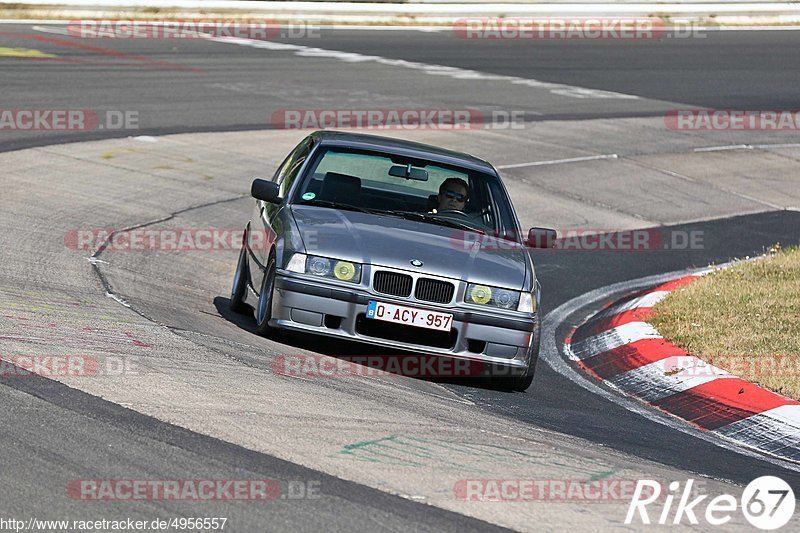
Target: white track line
{"type": "Point", "coordinates": [57, 31]}
{"type": "Point", "coordinates": [746, 147]}
{"type": "Point", "coordinates": [559, 161]}
{"type": "Point", "coordinates": [431, 69]}
{"type": "Point", "coordinates": [724, 148]}
{"type": "Point", "coordinates": [784, 145]}
{"type": "Point", "coordinates": [434, 70]}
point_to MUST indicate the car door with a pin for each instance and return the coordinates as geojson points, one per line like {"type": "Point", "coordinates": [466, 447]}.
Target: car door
{"type": "Point", "coordinates": [263, 232]}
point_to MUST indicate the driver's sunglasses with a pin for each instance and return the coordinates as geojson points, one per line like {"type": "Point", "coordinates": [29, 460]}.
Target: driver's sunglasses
{"type": "Point", "coordinates": [457, 196]}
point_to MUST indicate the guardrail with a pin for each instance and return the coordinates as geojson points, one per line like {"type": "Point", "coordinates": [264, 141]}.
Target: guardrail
{"type": "Point", "coordinates": [430, 12]}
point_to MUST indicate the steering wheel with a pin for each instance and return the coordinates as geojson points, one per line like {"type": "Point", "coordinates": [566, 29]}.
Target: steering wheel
{"type": "Point", "coordinates": [452, 211]}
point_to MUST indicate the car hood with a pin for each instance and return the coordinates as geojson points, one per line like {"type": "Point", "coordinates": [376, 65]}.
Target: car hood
{"type": "Point", "coordinates": [394, 242]}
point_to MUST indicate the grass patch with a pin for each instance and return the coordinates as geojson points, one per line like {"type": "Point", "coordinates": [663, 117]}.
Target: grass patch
{"type": "Point", "coordinates": [744, 319]}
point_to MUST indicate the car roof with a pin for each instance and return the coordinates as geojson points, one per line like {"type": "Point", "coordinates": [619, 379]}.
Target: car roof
{"type": "Point", "coordinates": [401, 147]}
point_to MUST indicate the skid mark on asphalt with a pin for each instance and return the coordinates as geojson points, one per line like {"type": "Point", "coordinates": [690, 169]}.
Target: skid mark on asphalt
{"type": "Point", "coordinates": [31, 301]}
{"type": "Point", "coordinates": [24, 52]}
{"type": "Point", "coordinates": [404, 450]}
{"type": "Point", "coordinates": [66, 336]}
{"type": "Point", "coordinates": [70, 324]}
{"type": "Point", "coordinates": [142, 60]}
{"type": "Point", "coordinates": [111, 154]}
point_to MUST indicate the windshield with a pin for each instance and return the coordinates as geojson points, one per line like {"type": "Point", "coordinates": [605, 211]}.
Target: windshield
{"type": "Point", "coordinates": [421, 190]}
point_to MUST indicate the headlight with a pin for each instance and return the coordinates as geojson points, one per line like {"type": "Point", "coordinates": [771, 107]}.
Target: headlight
{"type": "Point", "coordinates": [345, 271]}
{"type": "Point", "coordinates": [494, 296]}
{"type": "Point", "coordinates": [325, 267]}
{"type": "Point", "coordinates": [319, 266]}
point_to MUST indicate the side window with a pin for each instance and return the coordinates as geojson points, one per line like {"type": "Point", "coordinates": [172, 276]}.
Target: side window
{"type": "Point", "coordinates": [499, 215]}
{"type": "Point", "coordinates": [281, 172]}
{"type": "Point", "coordinates": [290, 168]}
{"type": "Point", "coordinates": [293, 172]}
{"type": "Point", "coordinates": [287, 173]}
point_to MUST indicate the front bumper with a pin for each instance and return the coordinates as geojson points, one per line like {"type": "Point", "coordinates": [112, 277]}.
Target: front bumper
{"type": "Point", "coordinates": [304, 305]}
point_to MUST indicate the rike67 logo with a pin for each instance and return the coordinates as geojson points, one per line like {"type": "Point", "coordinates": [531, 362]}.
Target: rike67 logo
{"type": "Point", "coordinates": [767, 503]}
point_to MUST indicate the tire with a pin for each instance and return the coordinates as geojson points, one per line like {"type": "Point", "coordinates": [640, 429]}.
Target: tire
{"type": "Point", "coordinates": [240, 278]}
{"type": "Point", "coordinates": [519, 383]}
{"type": "Point", "coordinates": [515, 383]}
{"type": "Point", "coordinates": [264, 306]}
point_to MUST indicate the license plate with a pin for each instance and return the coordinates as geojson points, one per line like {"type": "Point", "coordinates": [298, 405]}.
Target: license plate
{"type": "Point", "coordinates": [409, 316]}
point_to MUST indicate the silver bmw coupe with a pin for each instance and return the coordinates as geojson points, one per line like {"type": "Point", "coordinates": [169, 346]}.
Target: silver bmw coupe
{"type": "Point", "coordinates": [397, 244]}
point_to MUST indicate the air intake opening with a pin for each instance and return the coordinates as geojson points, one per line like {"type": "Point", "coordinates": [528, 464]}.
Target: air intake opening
{"type": "Point", "coordinates": [333, 321]}
{"type": "Point", "coordinates": [476, 346]}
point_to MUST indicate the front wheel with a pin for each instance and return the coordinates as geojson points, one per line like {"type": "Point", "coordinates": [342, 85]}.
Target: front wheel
{"type": "Point", "coordinates": [515, 383]}
{"type": "Point", "coordinates": [237, 304]}
{"type": "Point", "coordinates": [264, 307]}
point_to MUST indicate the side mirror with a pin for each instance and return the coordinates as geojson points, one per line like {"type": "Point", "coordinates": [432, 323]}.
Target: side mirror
{"type": "Point", "coordinates": [265, 190]}
{"type": "Point", "coordinates": [541, 238]}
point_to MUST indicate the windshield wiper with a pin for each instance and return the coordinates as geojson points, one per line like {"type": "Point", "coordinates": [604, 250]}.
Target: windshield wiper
{"type": "Point", "coordinates": [435, 219]}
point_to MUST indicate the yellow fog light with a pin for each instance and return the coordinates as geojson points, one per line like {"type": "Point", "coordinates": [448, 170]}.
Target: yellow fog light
{"type": "Point", "coordinates": [344, 271]}
{"type": "Point", "coordinates": [480, 294]}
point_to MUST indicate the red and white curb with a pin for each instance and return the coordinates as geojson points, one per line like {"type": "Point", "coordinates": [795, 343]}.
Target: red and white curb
{"type": "Point", "coordinates": [619, 347]}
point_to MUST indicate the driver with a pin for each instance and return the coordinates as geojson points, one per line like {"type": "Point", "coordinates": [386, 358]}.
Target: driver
{"type": "Point", "coordinates": [453, 195]}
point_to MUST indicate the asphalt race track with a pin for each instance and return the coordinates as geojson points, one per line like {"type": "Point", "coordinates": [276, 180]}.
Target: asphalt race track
{"type": "Point", "coordinates": [238, 87]}
{"type": "Point", "coordinates": [203, 400]}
